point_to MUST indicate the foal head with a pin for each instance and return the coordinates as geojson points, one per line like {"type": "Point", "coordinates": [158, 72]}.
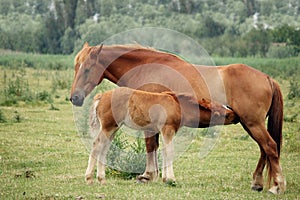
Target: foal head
{"type": "Point", "coordinates": [87, 73]}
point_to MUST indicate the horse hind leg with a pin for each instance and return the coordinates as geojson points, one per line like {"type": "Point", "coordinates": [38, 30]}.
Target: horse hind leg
{"type": "Point", "coordinates": [269, 155]}
{"type": "Point", "coordinates": [258, 179]}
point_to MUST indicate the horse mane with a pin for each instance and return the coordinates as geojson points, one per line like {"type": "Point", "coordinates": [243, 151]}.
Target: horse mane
{"type": "Point", "coordinates": [83, 53]}
{"type": "Point", "coordinates": [87, 50]}
{"type": "Point", "coordinates": [132, 46]}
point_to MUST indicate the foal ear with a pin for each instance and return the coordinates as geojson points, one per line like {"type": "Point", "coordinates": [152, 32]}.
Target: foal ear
{"type": "Point", "coordinates": [86, 44]}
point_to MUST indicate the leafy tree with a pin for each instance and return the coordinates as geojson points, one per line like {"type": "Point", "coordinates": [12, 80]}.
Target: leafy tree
{"type": "Point", "coordinates": [258, 41]}
{"type": "Point", "coordinates": [52, 31]}
{"type": "Point", "coordinates": [250, 6]}
{"type": "Point", "coordinates": [81, 12]}
{"type": "Point", "coordinates": [185, 6]}
{"type": "Point", "coordinates": [67, 42]}
{"type": "Point", "coordinates": [287, 34]}
{"type": "Point", "coordinates": [212, 28]}
{"type": "Point", "coordinates": [226, 26]}
{"type": "Point", "coordinates": [5, 7]}
{"type": "Point", "coordinates": [70, 12]}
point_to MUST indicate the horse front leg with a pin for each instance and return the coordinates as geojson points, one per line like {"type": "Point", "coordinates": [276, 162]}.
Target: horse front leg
{"type": "Point", "coordinates": [151, 171]}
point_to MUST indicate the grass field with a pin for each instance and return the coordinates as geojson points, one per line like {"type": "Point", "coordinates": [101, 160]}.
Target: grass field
{"type": "Point", "coordinates": [42, 156]}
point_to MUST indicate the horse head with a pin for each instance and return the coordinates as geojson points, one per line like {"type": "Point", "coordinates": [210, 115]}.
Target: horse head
{"type": "Point", "coordinates": [87, 73]}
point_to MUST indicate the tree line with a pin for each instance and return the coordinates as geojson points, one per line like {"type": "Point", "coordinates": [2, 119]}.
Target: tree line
{"type": "Point", "coordinates": [223, 27]}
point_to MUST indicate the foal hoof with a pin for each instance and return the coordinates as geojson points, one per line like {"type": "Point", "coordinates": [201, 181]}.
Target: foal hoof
{"type": "Point", "coordinates": [89, 181]}
{"type": "Point", "coordinates": [171, 183]}
{"type": "Point", "coordinates": [143, 179]}
{"type": "Point", "coordinates": [257, 188]}
{"type": "Point", "coordinates": [102, 181]}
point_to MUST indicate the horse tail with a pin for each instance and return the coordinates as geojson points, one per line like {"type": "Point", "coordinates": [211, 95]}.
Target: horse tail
{"type": "Point", "coordinates": [275, 121]}
{"type": "Point", "coordinates": [94, 121]}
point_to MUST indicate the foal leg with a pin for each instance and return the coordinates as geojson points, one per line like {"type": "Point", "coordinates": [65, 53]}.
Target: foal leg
{"type": "Point", "coordinates": [151, 172]}
{"type": "Point", "coordinates": [106, 139]}
{"type": "Point", "coordinates": [99, 150]}
{"type": "Point", "coordinates": [168, 154]}
{"type": "Point", "coordinates": [267, 144]}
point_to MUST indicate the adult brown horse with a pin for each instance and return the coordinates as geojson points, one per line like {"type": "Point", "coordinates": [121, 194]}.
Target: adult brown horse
{"type": "Point", "coordinates": [251, 94]}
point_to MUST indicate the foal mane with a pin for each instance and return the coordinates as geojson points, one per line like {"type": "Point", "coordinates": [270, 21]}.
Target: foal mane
{"type": "Point", "coordinates": [204, 104]}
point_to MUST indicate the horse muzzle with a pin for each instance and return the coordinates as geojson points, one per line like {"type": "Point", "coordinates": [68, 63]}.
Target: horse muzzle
{"type": "Point", "coordinates": [77, 99]}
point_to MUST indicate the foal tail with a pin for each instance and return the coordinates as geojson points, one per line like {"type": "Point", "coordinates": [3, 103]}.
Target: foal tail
{"type": "Point", "coordinates": [275, 120]}
{"type": "Point", "coordinates": [94, 121]}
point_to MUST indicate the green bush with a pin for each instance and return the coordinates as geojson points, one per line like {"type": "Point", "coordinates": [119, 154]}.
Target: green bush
{"type": "Point", "coordinates": [44, 96]}
{"type": "Point", "coordinates": [125, 158]}
{"type": "Point", "coordinates": [282, 52]}
{"type": "Point", "coordinates": [2, 117]}
{"type": "Point", "coordinates": [16, 88]}
{"type": "Point", "coordinates": [15, 60]}
{"type": "Point", "coordinates": [294, 89]}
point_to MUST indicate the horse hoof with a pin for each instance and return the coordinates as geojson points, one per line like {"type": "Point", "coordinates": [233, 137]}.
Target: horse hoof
{"type": "Point", "coordinates": [274, 190]}
{"type": "Point", "coordinates": [142, 179]}
{"type": "Point", "coordinates": [257, 188]}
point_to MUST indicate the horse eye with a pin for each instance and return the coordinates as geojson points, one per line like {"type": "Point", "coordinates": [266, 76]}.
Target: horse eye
{"type": "Point", "coordinates": [86, 71]}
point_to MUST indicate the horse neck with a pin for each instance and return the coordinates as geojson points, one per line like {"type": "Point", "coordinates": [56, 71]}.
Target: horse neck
{"type": "Point", "coordinates": [119, 60]}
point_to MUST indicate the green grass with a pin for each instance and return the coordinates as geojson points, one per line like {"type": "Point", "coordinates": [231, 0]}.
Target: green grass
{"type": "Point", "coordinates": [36, 61]}
{"type": "Point", "coordinates": [43, 157]}
{"type": "Point", "coordinates": [276, 68]}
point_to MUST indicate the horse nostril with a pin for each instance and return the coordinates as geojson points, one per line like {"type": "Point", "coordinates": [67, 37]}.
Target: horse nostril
{"type": "Point", "coordinates": [74, 98]}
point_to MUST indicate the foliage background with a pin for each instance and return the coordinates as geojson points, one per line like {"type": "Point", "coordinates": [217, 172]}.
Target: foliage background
{"type": "Point", "coordinates": [265, 28]}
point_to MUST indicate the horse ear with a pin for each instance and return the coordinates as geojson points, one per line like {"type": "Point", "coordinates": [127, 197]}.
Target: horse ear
{"type": "Point", "coordinates": [99, 49]}
{"type": "Point", "coordinates": [86, 44]}
{"type": "Point", "coordinates": [95, 53]}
